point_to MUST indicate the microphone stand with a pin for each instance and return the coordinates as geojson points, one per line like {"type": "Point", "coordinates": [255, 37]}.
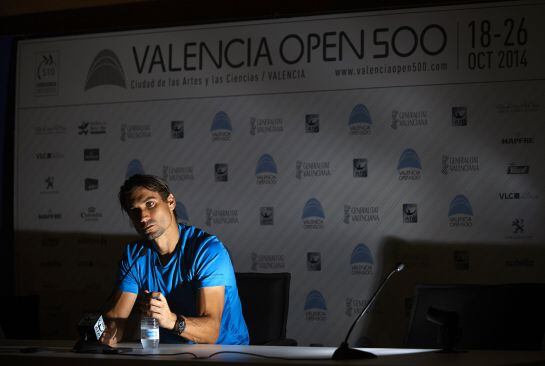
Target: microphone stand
{"type": "Point", "coordinates": [344, 352]}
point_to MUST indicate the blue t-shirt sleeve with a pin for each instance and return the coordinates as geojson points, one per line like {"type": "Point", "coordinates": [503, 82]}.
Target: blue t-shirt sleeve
{"type": "Point", "coordinates": [128, 283]}
{"type": "Point", "coordinates": [212, 264]}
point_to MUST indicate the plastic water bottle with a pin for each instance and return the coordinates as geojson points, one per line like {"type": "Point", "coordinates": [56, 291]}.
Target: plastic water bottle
{"type": "Point", "coordinates": [149, 333]}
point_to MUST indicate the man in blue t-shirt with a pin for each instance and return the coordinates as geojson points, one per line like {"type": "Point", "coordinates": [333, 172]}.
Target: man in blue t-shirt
{"type": "Point", "coordinates": [182, 275]}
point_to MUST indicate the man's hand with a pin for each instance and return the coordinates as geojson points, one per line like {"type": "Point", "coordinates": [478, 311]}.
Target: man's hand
{"type": "Point", "coordinates": [155, 305]}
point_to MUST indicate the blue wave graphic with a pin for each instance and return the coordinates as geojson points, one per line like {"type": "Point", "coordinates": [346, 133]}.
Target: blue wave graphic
{"type": "Point", "coordinates": [360, 114]}
{"type": "Point", "coordinates": [315, 300]}
{"type": "Point", "coordinates": [181, 212]}
{"type": "Point", "coordinates": [313, 208]}
{"type": "Point", "coordinates": [221, 122]}
{"type": "Point", "coordinates": [460, 206]}
{"type": "Point", "coordinates": [265, 164]}
{"type": "Point", "coordinates": [361, 254]}
{"type": "Point", "coordinates": [105, 70]}
{"type": "Point", "coordinates": [134, 167]}
{"type": "Point", "coordinates": [409, 159]}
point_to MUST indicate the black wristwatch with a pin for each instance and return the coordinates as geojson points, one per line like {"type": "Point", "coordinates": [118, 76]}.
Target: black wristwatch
{"type": "Point", "coordinates": [179, 326]}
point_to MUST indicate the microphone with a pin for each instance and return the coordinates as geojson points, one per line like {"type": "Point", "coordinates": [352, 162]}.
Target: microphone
{"type": "Point", "coordinates": [344, 352]}
{"type": "Point", "coordinates": [91, 326]}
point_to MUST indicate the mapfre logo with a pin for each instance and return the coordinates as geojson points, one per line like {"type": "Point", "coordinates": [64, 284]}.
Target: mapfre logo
{"type": "Point", "coordinates": [105, 70]}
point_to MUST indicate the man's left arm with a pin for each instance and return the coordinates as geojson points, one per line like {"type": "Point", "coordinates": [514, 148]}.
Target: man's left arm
{"type": "Point", "coordinates": [204, 328]}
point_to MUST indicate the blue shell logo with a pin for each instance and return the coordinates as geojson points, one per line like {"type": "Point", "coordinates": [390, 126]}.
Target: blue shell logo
{"type": "Point", "coordinates": [134, 167]}
{"type": "Point", "coordinates": [221, 122]}
{"type": "Point", "coordinates": [315, 300]}
{"type": "Point", "coordinates": [313, 208]}
{"type": "Point", "coordinates": [181, 212]}
{"type": "Point", "coordinates": [360, 114]}
{"type": "Point", "coordinates": [105, 70]}
{"type": "Point", "coordinates": [265, 165]}
{"type": "Point", "coordinates": [361, 254]}
{"type": "Point", "coordinates": [409, 159]}
{"type": "Point", "coordinates": [460, 206]}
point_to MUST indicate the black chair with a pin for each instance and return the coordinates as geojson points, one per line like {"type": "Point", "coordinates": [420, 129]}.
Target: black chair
{"type": "Point", "coordinates": [497, 317]}
{"type": "Point", "coordinates": [265, 302]}
{"type": "Point", "coordinates": [20, 316]}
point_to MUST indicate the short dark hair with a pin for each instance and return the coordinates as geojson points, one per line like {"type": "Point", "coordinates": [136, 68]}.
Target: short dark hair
{"type": "Point", "coordinates": [147, 181]}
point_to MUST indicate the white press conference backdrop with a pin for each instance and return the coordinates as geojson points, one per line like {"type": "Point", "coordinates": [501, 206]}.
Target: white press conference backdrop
{"type": "Point", "coordinates": [301, 143]}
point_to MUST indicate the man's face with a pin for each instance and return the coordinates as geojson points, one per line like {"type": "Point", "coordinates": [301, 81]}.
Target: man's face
{"type": "Point", "coordinates": [150, 215]}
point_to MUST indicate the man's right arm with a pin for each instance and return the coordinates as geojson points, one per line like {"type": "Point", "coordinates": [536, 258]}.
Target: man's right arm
{"type": "Point", "coordinates": [117, 316]}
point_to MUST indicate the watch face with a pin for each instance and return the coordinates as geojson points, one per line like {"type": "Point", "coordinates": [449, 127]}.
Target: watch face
{"type": "Point", "coordinates": [181, 325]}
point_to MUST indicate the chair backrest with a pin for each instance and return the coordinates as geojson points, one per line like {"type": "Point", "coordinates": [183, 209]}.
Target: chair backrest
{"type": "Point", "coordinates": [509, 317]}
{"type": "Point", "coordinates": [265, 302]}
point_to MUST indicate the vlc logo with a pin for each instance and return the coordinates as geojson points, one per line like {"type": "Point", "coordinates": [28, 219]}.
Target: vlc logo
{"type": "Point", "coordinates": [105, 70]}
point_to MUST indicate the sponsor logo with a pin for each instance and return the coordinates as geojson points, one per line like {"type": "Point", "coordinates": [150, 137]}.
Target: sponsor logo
{"type": "Point", "coordinates": [105, 70]}
{"type": "Point", "coordinates": [134, 167]}
{"type": "Point", "coordinates": [313, 215]}
{"type": "Point", "coordinates": [181, 213]}
{"type": "Point", "coordinates": [221, 172]}
{"type": "Point", "coordinates": [410, 213]}
{"type": "Point", "coordinates": [221, 129]}
{"type": "Point", "coordinates": [49, 242]}
{"type": "Point", "coordinates": [92, 128]}
{"type": "Point", "coordinates": [267, 261]}
{"type": "Point", "coordinates": [461, 260]}
{"type": "Point", "coordinates": [50, 215]}
{"type": "Point", "coordinates": [260, 126]}
{"type": "Point", "coordinates": [518, 107]}
{"type": "Point", "coordinates": [460, 212]}
{"type": "Point", "coordinates": [459, 116]}
{"type": "Point", "coordinates": [360, 122]}
{"type": "Point", "coordinates": [265, 170]}
{"type": "Point", "coordinates": [362, 214]}
{"type": "Point", "coordinates": [312, 169]}
{"type": "Point", "coordinates": [458, 164]}
{"type": "Point", "coordinates": [518, 226]}
{"type": "Point", "coordinates": [53, 263]}
{"type": "Point", "coordinates": [92, 241]}
{"type": "Point", "coordinates": [354, 306]}
{"type": "Point", "coordinates": [91, 184]}
{"type": "Point", "coordinates": [361, 260]}
{"type": "Point", "coordinates": [177, 129]}
{"type": "Point", "coordinates": [517, 196]}
{"type": "Point", "coordinates": [86, 263]}
{"type": "Point", "coordinates": [91, 214]}
{"type": "Point", "coordinates": [49, 155]}
{"type": "Point", "coordinates": [409, 119]}
{"type": "Point", "coordinates": [359, 168]}
{"type": "Point", "coordinates": [409, 166]}
{"type": "Point", "coordinates": [315, 307]}
{"type": "Point", "coordinates": [215, 216]}
{"type": "Point", "coordinates": [46, 76]}
{"type": "Point", "coordinates": [178, 173]}
{"type": "Point", "coordinates": [518, 140]}
{"type": "Point", "coordinates": [518, 230]}
{"type": "Point", "coordinates": [130, 132]}
{"type": "Point", "coordinates": [44, 129]}
{"type": "Point", "coordinates": [314, 261]}
{"type": "Point", "coordinates": [312, 123]}
{"type": "Point", "coordinates": [49, 186]}
{"type": "Point", "coordinates": [266, 215]}
{"type": "Point", "coordinates": [518, 169]}
{"type": "Point", "coordinates": [91, 154]}
{"type": "Point", "coordinates": [520, 262]}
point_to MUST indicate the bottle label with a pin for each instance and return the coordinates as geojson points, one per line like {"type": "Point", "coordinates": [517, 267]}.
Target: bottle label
{"type": "Point", "coordinates": [150, 333]}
